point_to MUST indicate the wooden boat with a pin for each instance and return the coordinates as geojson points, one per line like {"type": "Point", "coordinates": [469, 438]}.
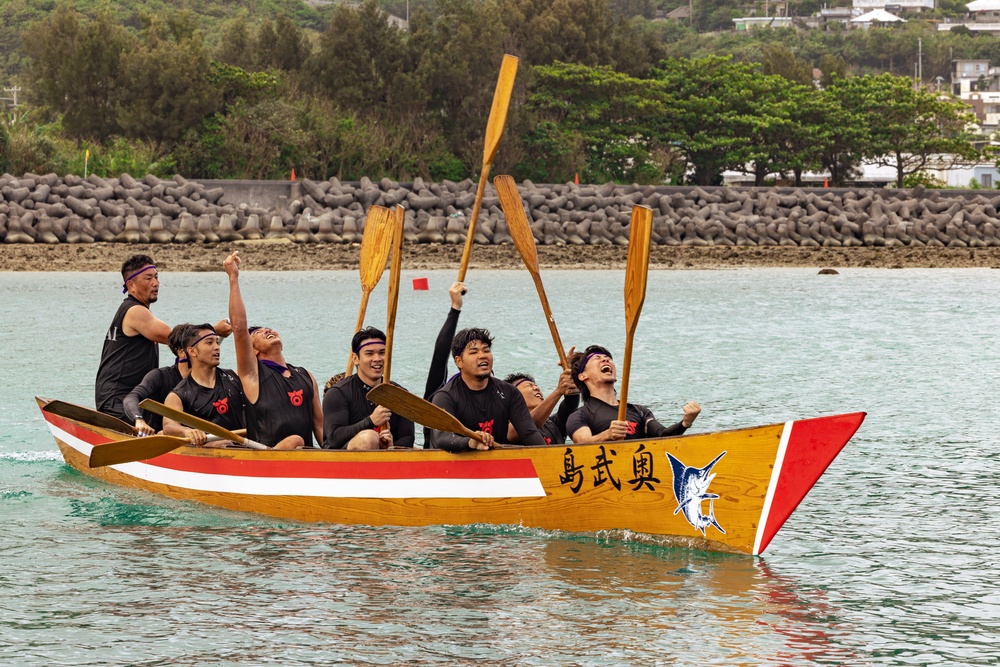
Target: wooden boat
{"type": "Point", "coordinates": [723, 491]}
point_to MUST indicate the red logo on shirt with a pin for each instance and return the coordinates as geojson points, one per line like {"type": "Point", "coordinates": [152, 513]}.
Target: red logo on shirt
{"type": "Point", "coordinates": [487, 427]}
{"type": "Point", "coordinates": [222, 407]}
{"type": "Point", "coordinates": [630, 427]}
{"type": "Point", "coordinates": [295, 397]}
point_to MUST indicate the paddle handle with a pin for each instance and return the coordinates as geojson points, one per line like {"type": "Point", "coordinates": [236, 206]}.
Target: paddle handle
{"type": "Point", "coordinates": [626, 365]}
{"type": "Point", "coordinates": [470, 235]}
{"type": "Point", "coordinates": [393, 301]}
{"type": "Point", "coordinates": [365, 293]}
{"type": "Point", "coordinates": [560, 350]}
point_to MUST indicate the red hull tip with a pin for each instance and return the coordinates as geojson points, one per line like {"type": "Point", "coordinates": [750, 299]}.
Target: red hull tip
{"type": "Point", "coordinates": [809, 447]}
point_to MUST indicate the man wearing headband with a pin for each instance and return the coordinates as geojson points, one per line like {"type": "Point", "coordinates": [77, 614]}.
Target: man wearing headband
{"type": "Point", "coordinates": [283, 409]}
{"type": "Point", "coordinates": [350, 420]}
{"type": "Point", "coordinates": [158, 383]}
{"type": "Point", "coordinates": [597, 421]}
{"type": "Point", "coordinates": [552, 427]}
{"type": "Point", "coordinates": [130, 346]}
{"type": "Point", "coordinates": [208, 392]}
{"type": "Point", "coordinates": [481, 402]}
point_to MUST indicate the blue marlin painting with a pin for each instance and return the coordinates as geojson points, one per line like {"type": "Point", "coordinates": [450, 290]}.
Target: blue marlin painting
{"type": "Point", "coordinates": [691, 490]}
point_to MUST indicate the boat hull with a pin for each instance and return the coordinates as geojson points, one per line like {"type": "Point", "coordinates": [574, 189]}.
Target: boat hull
{"type": "Point", "coordinates": [727, 491]}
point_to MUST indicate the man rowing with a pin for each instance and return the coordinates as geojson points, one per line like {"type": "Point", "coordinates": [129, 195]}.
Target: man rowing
{"type": "Point", "coordinates": [283, 408]}
{"type": "Point", "coordinates": [552, 427]}
{"type": "Point", "coordinates": [158, 383]}
{"type": "Point", "coordinates": [481, 402]}
{"type": "Point", "coordinates": [595, 374]}
{"type": "Point", "coordinates": [208, 392]}
{"type": "Point", "coordinates": [350, 420]}
{"type": "Point", "coordinates": [130, 346]}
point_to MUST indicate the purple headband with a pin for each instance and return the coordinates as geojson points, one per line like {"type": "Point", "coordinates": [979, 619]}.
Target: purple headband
{"type": "Point", "coordinates": [142, 270]}
{"type": "Point", "coordinates": [211, 333]}
{"type": "Point", "coordinates": [519, 381]}
{"type": "Point", "coordinates": [375, 341]}
{"type": "Point", "coordinates": [591, 356]}
{"type": "Point", "coordinates": [178, 361]}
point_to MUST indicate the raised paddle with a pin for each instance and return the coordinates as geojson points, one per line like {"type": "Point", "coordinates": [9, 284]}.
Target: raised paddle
{"type": "Point", "coordinates": [494, 132]}
{"type": "Point", "coordinates": [88, 416]}
{"type": "Point", "coordinates": [418, 410]}
{"type": "Point", "coordinates": [394, 270]}
{"type": "Point", "coordinates": [375, 246]}
{"type": "Point", "coordinates": [636, 270]}
{"type": "Point", "coordinates": [524, 241]}
{"type": "Point", "coordinates": [199, 423]}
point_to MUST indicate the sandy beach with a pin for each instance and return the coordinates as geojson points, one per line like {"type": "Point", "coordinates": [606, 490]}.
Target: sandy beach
{"type": "Point", "coordinates": [272, 256]}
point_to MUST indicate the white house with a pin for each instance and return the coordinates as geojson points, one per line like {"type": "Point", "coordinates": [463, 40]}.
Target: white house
{"type": "Point", "coordinates": [894, 5]}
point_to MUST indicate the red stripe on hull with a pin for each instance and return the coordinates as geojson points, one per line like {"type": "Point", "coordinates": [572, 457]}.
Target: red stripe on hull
{"type": "Point", "coordinates": [813, 446]}
{"type": "Point", "coordinates": [75, 430]}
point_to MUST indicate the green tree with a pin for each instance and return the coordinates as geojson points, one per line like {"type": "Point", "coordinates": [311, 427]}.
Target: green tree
{"type": "Point", "coordinates": [619, 120]}
{"type": "Point", "coordinates": [907, 128]}
{"type": "Point", "coordinates": [780, 60]}
{"type": "Point", "coordinates": [165, 87]}
{"type": "Point", "coordinates": [236, 46]}
{"type": "Point", "coordinates": [712, 113]}
{"type": "Point", "coordinates": [76, 67]}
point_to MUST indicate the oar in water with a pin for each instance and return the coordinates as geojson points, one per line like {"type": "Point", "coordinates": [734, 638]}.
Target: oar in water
{"type": "Point", "coordinates": [636, 271]}
{"type": "Point", "coordinates": [200, 424]}
{"type": "Point", "coordinates": [524, 241]}
{"type": "Point", "coordinates": [375, 246]}
{"type": "Point", "coordinates": [394, 270]}
{"type": "Point", "coordinates": [416, 409]}
{"type": "Point", "coordinates": [494, 132]}
{"type": "Point", "coordinates": [88, 416]}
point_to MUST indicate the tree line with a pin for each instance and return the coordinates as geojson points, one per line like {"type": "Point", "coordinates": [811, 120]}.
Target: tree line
{"type": "Point", "coordinates": [598, 96]}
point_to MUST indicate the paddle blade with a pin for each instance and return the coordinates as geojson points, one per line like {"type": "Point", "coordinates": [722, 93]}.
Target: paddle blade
{"type": "Point", "coordinates": [88, 416]}
{"type": "Point", "coordinates": [637, 267]}
{"type": "Point", "coordinates": [375, 245]}
{"type": "Point", "coordinates": [417, 409]}
{"type": "Point", "coordinates": [134, 449]}
{"type": "Point", "coordinates": [498, 112]}
{"type": "Point", "coordinates": [517, 221]}
{"type": "Point", "coordinates": [190, 420]}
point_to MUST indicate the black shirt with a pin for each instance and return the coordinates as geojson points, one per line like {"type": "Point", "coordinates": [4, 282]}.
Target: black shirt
{"type": "Point", "coordinates": [284, 406]}
{"type": "Point", "coordinates": [125, 360]}
{"type": "Point", "coordinates": [554, 430]}
{"type": "Point", "coordinates": [490, 410]}
{"type": "Point", "coordinates": [598, 415]}
{"type": "Point", "coordinates": [347, 411]}
{"type": "Point", "coordinates": [156, 385]}
{"type": "Point", "coordinates": [222, 404]}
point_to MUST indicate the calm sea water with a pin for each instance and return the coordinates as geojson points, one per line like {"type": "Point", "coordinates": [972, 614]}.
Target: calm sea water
{"type": "Point", "coordinates": [889, 561]}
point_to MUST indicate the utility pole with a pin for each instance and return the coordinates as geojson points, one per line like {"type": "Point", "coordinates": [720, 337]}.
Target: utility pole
{"type": "Point", "coordinates": [920, 60]}
{"type": "Point", "coordinates": [13, 99]}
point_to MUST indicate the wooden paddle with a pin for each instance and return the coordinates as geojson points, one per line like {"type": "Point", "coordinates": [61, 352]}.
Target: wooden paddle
{"type": "Point", "coordinates": [524, 241]}
{"type": "Point", "coordinates": [88, 416]}
{"type": "Point", "coordinates": [418, 410]}
{"type": "Point", "coordinates": [134, 449]}
{"type": "Point", "coordinates": [137, 449]}
{"type": "Point", "coordinates": [394, 270]}
{"type": "Point", "coordinates": [199, 423]}
{"type": "Point", "coordinates": [375, 246]}
{"type": "Point", "coordinates": [494, 132]}
{"type": "Point", "coordinates": [636, 270]}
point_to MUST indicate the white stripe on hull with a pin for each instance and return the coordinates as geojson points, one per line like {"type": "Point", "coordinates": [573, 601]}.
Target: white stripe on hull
{"type": "Point", "coordinates": [779, 459]}
{"type": "Point", "coordinates": [517, 487]}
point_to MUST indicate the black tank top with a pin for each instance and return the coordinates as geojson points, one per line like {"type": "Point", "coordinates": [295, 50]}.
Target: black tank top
{"type": "Point", "coordinates": [125, 360]}
{"type": "Point", "coordinates": [222, 404]}
{"type": "Point", "coordinates": [283, 407]}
